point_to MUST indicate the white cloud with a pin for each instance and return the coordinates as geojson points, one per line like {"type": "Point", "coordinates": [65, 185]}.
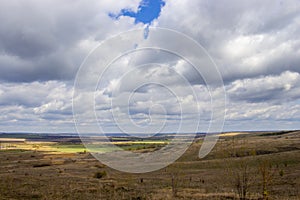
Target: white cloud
{"type": "Point", "coordinates": [246, 39]}
{"type": "Point", "coordinates": [254, 43]}
{"type": "Point", "coordinates": [285, 87]}
{"type": "Point", "coordinates": [32, 105]}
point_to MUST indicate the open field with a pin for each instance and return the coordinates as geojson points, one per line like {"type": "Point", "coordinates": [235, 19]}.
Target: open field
{"type": "Point", "coordinates": [57, 147]}
{"type": "Point", "coordinates": [250, 166]}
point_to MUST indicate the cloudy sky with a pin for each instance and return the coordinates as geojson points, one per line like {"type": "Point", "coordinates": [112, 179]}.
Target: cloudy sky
{"type": "Point", "coordinates": [255, 44]}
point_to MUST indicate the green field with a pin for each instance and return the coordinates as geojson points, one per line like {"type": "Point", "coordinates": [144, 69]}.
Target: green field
{"type": "Point", "coordinates": [45, 143]}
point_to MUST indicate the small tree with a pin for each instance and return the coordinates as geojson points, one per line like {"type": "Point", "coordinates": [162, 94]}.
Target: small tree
{"type": "Point", "coordinates": [241, 174]}
{"type": "Point", "coordinates": [174, 184]}
{"type": "Point", "coordinates": [267, 172]}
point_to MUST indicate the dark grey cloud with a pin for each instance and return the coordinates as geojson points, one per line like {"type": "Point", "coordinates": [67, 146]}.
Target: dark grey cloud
{"type": "Point", "coordinates": [42, 40]}
{"type": "Point", "coordinates": [50, 67]}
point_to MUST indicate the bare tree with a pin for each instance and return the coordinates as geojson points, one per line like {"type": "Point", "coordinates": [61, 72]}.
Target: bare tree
{"type": "Point", "coordinates": [238, 166]}
{"type": "Point", "coordinates": [174, 184]}
{"type": "Point", "coordinates": [267, 172]}
{"type": "Point", "coordinates": [243, 178]}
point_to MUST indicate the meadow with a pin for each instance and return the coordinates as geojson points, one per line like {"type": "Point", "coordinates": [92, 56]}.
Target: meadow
{"type": "Point", "coordinates": [255, 165]}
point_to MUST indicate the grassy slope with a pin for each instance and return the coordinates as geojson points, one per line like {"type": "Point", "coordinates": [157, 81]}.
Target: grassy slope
{"type": "Point", "coordinates": [38, 175]}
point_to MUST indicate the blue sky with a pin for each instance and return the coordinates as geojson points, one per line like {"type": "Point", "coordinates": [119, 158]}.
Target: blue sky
{"type": "Point", "coordinates": [147, 12]}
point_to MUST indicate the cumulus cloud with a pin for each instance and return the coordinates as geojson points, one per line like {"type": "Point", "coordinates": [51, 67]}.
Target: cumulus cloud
{"type": "Point", "coordinates": [276, 89]}
{"type": "Point", "coordinates": [246, 39]}
{"type": "Point", "coordinates": [42, 40]}
{"type": "Point", "coordinates": [36, 105]}
{"type": "Point", "coordinates": [254, 43]}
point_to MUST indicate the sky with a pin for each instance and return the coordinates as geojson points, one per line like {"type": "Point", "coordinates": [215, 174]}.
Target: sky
{"type": "Point", "coordinates": [146, 13]}
{"type": "Point", "coordinates": [255, 44]}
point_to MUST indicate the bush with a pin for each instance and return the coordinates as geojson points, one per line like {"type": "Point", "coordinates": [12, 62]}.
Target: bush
{"type": "Point", "coordinates": [100, 174]}
{"type": "Point", "coordinates": [42, 165]}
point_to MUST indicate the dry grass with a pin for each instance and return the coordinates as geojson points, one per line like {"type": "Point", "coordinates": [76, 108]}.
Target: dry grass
{"type": "Point", "coordinates": [39, 175]}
